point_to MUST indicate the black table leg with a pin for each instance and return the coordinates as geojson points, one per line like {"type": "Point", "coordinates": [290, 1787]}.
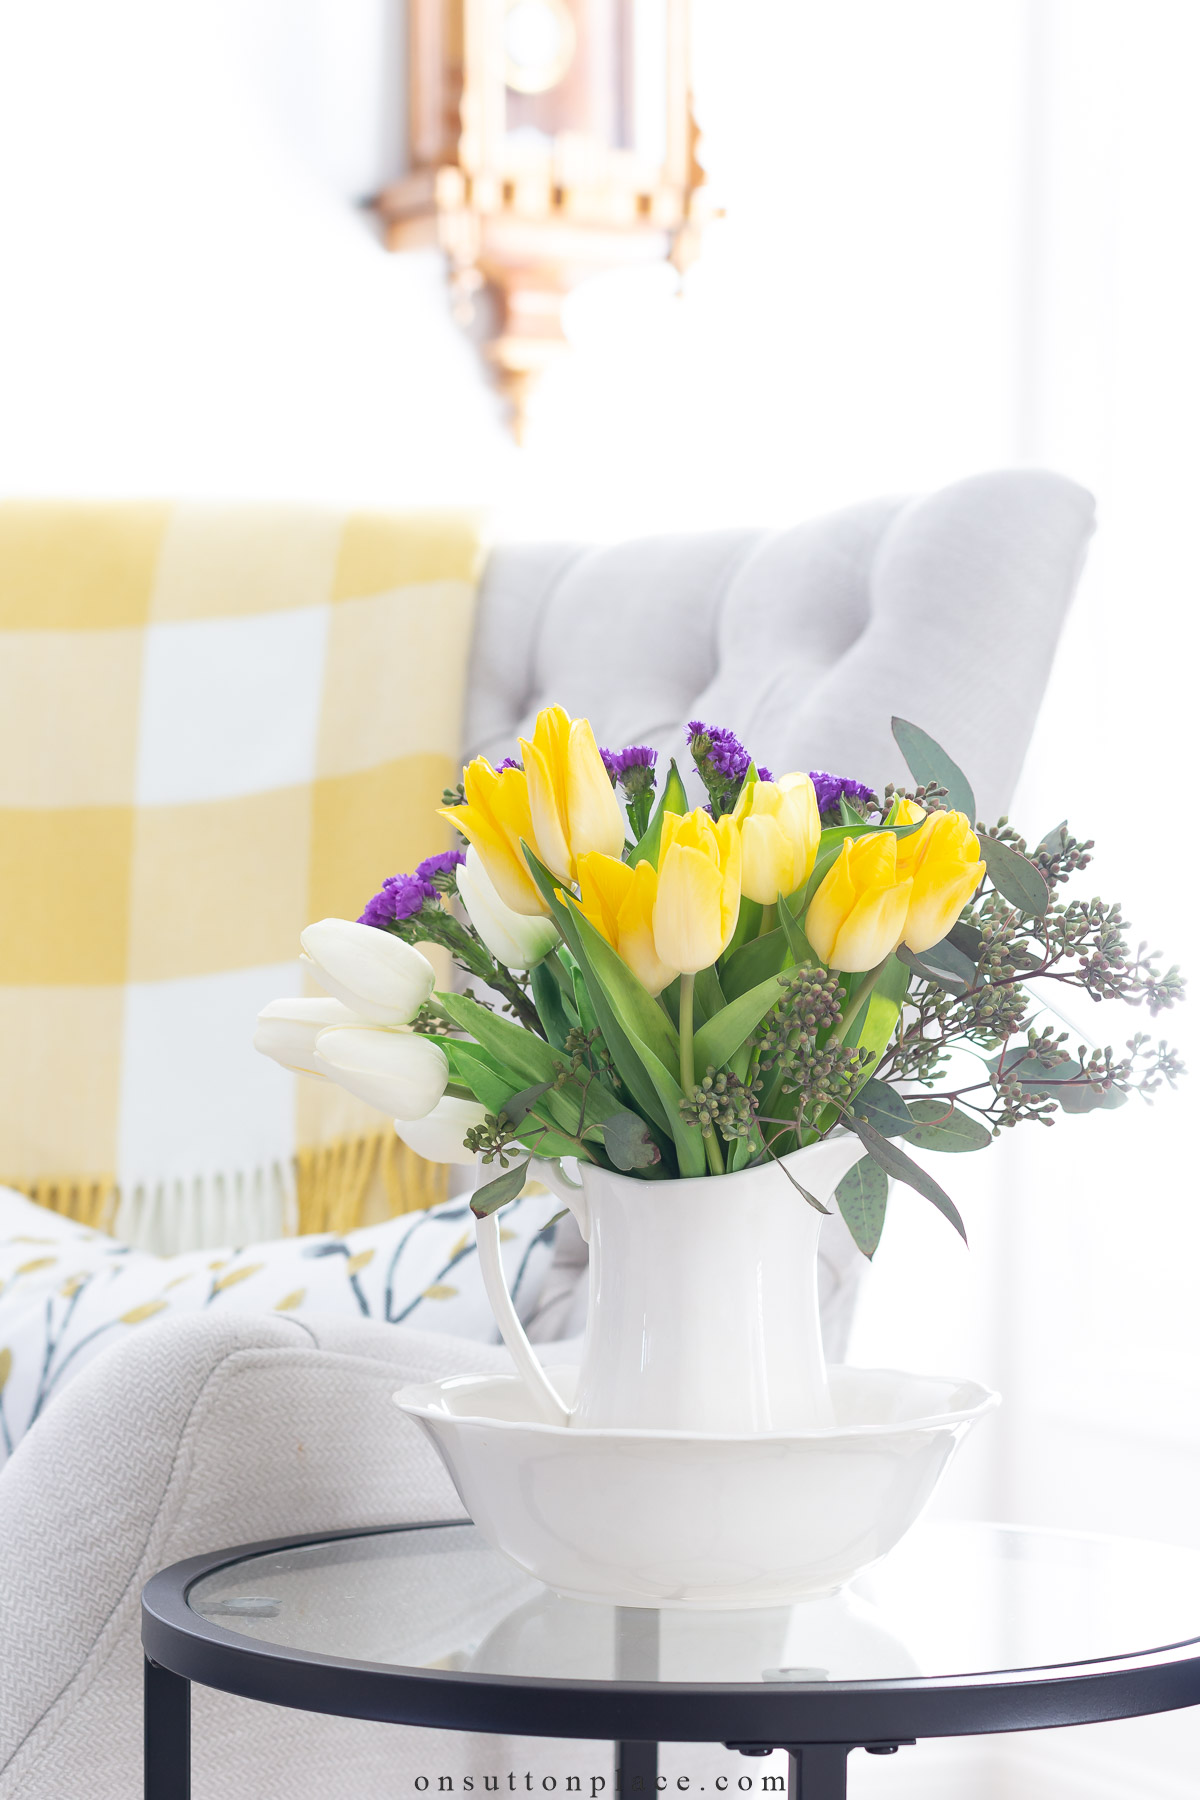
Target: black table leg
{"type": "Point", "coordinates": [817, 1771]}
{"type": "Point", "coordinates": [636, 1659]}
{"type": "Point", "coordinates": [167, 1735]}
{"type": "Point", "coordinates": [636, 1769]}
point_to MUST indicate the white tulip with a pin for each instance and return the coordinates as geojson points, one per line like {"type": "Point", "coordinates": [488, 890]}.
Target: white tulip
{"type": "Point", "coordinates": [438, 1137]}
{"type": "Point", "coordinates": [376, 975]}
{"type": "Point", "coordinates": [287, 1030]}
{"type": "Point", "coordinates": [397, 1071]}
{"type": "Point", "coordinates": [515, 940]}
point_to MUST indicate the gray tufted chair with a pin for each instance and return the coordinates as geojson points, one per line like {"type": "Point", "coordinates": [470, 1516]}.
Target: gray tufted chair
{"type": "Point", "coordinates": [945, 609]}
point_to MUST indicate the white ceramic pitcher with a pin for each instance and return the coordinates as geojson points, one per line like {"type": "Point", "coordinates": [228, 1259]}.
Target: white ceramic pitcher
{"type": "Point", "coordinates": [702, 1298]}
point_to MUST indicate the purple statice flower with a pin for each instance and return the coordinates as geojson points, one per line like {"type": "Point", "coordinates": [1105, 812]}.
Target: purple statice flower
{"type": "Point", "coordinates": [725, 754]}
{"type": "Point", "coordinates": [444, 863]}
{"type": "Point", "coordinates": [632, 768]}
{"type": "Point", "coordinates": [401, 897]}
{"type": "Point", "coordinates": [510, 762]}
{"type": "Point", "coordinates": [764, 774]}
{"type": "Point", "coordinates": [830, 789]}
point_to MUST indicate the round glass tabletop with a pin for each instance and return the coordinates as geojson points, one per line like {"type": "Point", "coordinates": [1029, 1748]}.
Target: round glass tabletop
{"type": "Point", "coordinates": [950, 1603]}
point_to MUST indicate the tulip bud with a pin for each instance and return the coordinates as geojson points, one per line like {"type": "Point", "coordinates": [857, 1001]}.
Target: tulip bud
{"type": "Point", "coordinates": [397, 1071]}
{"type": "Point", "coordinates": [699, 889]}
{"type": "Point", "coordinates": [376, 975]}
{"type": "Point", "coordinates": [495, 819]}
{"type": "Point", "coordinates": [515, 939]}
{"type": "Point", "coordinates": [571, 800]}
{"type": "Point", "coordinates": [781, 831]}
{"type": "Point", "coordinates": [619, 901]}
{"type": "Point", "coordinates": [287, 1031]}
{"type": "Point", "coordinates": [856, 917]}
{"type": "Point", "coordinates": [438, 1137]}
{"type": "Point", "coordinates": [943, 859]}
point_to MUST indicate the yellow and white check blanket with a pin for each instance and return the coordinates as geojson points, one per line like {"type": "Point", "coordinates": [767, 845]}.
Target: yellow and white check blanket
{"type": "Point", "coordinates": [217, 723]}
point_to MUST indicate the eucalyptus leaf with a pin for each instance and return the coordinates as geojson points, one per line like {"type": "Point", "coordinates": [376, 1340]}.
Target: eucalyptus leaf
{"type": "Point", "coordinates": [628, 1142]}
{"type": "Point", "coordinates": [519, 1106]}
{"type": "Point", "coordinates": [942, 964]}
{"type": "Point", "coordinates": [892, 1160]}
{"type": "Point", "coordinates": [497, 1193]}
{"type": "Point", "coordinates": [802, 1191]}
{"type": "Point", "coordinates": [1021, 882]}
{"type": "Point", "coordinates": [1054, 842]}
{"type": "Point", "coordinates": [1037, 1076]}
{"type": "Point", "coordinates": [967, 938]}
{"type": "Point", "coordinates": [928, 762]}
{"type": "Point", "coordinates": [862, 1196]}
{"type": "Point", "coordinates": [945, 1127]}
{"type": "Point", "coordinates": [883, 1108]}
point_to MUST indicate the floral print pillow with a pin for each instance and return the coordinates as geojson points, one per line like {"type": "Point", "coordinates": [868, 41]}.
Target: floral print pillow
{"type": "Point", "coordinates": [68, 1293]}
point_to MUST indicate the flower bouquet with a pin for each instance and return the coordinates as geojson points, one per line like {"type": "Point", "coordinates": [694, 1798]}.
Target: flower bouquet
{"type": "Point", "coordinates": [735, 1018]}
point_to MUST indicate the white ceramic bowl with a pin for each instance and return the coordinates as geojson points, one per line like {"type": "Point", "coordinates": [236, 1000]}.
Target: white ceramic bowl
{"type": "Point", "coordinates": [645, 1518]}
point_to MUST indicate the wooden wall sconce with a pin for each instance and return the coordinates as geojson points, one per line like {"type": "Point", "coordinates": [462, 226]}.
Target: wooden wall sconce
{"type": "Point", "coordinates": [548, 140]}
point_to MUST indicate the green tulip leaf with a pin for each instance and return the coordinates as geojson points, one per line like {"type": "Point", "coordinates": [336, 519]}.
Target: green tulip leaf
{"type": "Point", "coordinates": [872, 1029]}
{"type": "Point", "coordinates": [943, 1126]}
{"type": "Point", "coordinates": [862, 1196]}
{"type": "Point", "coordinates": [927, 762]}
{"type": "Point", "coordinates": [628, 1142]}
{"type": "Point", "coordinates": [882, 1107]}
{"type": "Point", "coordinates": [672, 799]}
{"type": "Point", "coordinates": [708, 995]}
{"type": "Point", "coordinates": [802, 952]}
{"type": "Point", "coordinates": [551, 1004]}
{"type": "Point", "coordinates": [745, 967]}
{"type": "Point", "coordinates": [749, 922]}
{"type": "Point", "coordinates": [716, 1042]}
{"type": "Point", "coordinates": [497, 1193]}
{"type": "Point", "coordinates": [1021, 882]}
{"type": "Point", "coordinates": [892, 1160]}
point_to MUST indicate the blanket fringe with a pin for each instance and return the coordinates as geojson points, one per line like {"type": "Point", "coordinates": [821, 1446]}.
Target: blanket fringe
{"type": "Point", "coordinates": [339, 1185]}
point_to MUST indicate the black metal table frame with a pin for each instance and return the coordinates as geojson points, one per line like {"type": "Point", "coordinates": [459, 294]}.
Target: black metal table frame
{"type": "Point", "coordinates": [817, 1723]}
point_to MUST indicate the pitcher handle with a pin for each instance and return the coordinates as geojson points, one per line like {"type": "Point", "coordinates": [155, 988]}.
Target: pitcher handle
{"type": "Point", "coordinates": [551, 1408]}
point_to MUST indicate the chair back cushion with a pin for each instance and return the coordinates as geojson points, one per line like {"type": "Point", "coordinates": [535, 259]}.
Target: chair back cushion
{"type": "Point", "coordinates": [945, 610]}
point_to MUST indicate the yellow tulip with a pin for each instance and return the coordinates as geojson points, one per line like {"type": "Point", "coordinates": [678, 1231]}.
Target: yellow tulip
{"type": "Point", "coordinates": [906, 812]}
{"type": "Point", "coordinates": [699, 889]}
{"type": "Point", "coordinates": [943, 861]}
{"type": "Point", "coordinates": [619, 901]}
{"type": "Point", "coordinates": [573, 805]}
{"type": "Point", "coordinates": [495, 819]}
{"type": "Point", "coordinates": [781, 828]}
{"type": "Point", "coordinates": [858, 913]}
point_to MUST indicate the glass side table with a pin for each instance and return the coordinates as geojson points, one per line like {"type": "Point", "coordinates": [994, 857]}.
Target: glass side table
{"type": "Point", "coordinates": [962, 1629]}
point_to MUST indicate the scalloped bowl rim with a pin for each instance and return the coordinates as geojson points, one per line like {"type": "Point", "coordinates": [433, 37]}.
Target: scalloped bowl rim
{"type": "Point", "coordinates": [426, 1400]}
